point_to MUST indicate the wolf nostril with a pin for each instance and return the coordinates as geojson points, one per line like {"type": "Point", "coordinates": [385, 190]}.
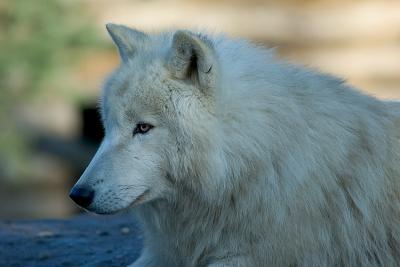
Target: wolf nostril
{"type": "Point", "coordinates": [82, 196]}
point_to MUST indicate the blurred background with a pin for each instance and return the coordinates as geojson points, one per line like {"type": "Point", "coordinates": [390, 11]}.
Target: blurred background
{"type": "Point", "coordinates": [55, 54]}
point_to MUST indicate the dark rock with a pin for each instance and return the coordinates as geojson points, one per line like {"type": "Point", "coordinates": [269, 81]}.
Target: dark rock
{"type": "Point", "coordinates": [85, 240]}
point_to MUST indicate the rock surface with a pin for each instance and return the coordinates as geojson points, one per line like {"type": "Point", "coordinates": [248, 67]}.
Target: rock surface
{"type": "Point", "coordinates": [84, 240]}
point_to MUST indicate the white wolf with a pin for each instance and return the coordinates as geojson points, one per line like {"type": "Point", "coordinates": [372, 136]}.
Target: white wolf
{"type": "Point", "coordinates": [232, 158]}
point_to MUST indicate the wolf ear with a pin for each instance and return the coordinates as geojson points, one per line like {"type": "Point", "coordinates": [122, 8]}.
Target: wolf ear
{"type": "Point", "coordinates": [126, 39]}
{"type": "Point", "coordinates": [192, 58]}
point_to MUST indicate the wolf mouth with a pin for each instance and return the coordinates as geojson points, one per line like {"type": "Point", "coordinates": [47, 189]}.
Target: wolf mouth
{"type": "Point", "coordinates": [140, 198]}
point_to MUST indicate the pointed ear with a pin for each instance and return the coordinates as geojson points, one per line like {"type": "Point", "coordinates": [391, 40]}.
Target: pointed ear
{"type": "Point", "coordinates": [126, 39]}
{"type": "Point", "coordinates": [192, 58]}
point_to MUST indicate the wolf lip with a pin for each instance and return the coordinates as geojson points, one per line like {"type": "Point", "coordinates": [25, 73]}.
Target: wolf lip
{"type": "Point", "coordinates": [140, 198]}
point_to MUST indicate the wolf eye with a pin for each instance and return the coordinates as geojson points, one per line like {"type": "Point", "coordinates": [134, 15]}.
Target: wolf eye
{"type": "Point", "coordinates": [142, 128]}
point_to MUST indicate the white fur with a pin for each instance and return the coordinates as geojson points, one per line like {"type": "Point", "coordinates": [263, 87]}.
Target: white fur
{"type": "Point", "coordinates": [252, 161]}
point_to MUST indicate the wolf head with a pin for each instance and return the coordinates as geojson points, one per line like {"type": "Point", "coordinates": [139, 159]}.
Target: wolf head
{"type": "Point", "coordinates": [159, 115]}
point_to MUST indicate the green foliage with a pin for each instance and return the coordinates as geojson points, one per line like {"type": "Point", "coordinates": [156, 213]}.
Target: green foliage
{"type": "Point", "coordinates": [38, 40]}
{"type": "Point", "coordinates": [39, 36]}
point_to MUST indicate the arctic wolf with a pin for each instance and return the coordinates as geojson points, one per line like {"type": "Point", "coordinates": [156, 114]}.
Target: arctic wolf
{"type": "Point", "coordinates": [230, 157]}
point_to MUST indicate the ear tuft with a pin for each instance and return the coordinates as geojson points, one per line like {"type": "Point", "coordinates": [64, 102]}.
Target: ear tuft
{"type": "Point", "coordinates": [192, 58]}
{"type": "Point", "coordinates": [127, 40]}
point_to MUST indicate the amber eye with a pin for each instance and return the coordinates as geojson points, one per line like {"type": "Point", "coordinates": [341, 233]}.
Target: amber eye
{"type": "Point", "coordinates": [142, 128]}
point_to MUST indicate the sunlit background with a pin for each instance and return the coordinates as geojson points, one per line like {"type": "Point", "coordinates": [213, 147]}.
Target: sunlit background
{"type": "Point", "coordinates": [54, 55]}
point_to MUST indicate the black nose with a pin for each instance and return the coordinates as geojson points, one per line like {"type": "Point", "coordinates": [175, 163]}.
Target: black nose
{"type": "Point", "coordinates": [82, 196]}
